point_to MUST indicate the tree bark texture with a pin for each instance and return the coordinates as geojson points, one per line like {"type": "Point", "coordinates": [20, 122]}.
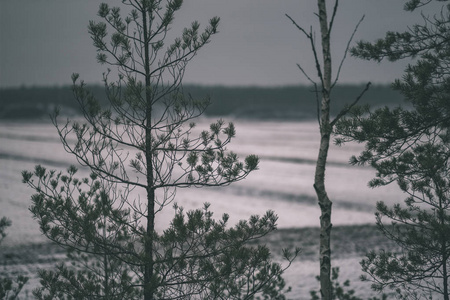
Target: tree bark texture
{"type": "Point", "coordinates": [319, 178]}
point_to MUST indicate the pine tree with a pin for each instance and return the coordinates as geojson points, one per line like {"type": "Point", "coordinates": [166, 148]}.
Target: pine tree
{"type": "Point", "coordinates": [140, 149]}
{"type": "Point", "coordinates": [410, 146]}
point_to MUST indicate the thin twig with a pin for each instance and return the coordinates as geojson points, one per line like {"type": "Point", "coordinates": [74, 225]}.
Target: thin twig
{"type": "Point", "coordinates": [330, 26]}
{"type": "Point", "coordinates": [305, 74]}
{"type": "Point", "coordinates": [317, 105]}
{"type": "Point", "coordinates": [316, 60]}
{"type": "Point", "coordinates": [346, 51]}
{"type": "Point", "coordinates": [298, 27]}
{"type": "Point", "coordinates": [346, 109]}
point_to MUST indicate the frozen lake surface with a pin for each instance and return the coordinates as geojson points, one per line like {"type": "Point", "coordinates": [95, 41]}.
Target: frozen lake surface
{"type": "Point", "coordinates": [283, 183]}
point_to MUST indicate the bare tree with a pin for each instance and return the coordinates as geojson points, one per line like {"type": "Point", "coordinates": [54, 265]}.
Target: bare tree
{"type": "Point", "coordinates": [326, 125]}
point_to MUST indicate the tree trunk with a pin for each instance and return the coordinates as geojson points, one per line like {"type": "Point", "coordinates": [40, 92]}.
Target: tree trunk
{"type": "Point", "coordinates": [325, 219]}
{"type": "Point", "coordinates": [105, 263]}
{"type": "Point", "coordinates": [149, 288]}
{"type": "Point", "coordinates": [444, 270]}
{"type": "Point", "coordinates": [443, 247]}
{"type": "Point", "coordinates": [319, 178]}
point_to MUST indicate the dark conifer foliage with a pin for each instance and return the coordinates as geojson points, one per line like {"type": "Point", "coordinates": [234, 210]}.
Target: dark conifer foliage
{"type": "Point", "coordinates": [10, 286]}
{"type": "Point", "coordinates": [411, 147]}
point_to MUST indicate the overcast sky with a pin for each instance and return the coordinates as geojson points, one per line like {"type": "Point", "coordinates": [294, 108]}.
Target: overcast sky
{"type": "Point", "coordinates": [42, 42]}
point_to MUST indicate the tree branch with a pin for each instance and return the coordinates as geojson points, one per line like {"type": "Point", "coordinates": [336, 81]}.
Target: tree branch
{"type": "Point", "coordinates": [344, 111]}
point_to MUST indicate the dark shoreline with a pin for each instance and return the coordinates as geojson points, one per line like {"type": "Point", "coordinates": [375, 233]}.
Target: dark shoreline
{"type": "Point", "coordinates": [296, 102]}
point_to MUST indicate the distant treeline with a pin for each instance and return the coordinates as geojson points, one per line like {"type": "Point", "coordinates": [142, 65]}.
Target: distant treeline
{"type": "Point", "coordinates": [288, 102]}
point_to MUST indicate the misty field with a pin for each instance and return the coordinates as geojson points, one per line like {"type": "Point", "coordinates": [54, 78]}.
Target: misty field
{"type": "Point", "coordinates": [283, 183]}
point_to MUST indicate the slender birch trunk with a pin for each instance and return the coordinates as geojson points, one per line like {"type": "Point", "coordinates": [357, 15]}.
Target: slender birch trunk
{"type": "Point", "coordinates": [319, 177]}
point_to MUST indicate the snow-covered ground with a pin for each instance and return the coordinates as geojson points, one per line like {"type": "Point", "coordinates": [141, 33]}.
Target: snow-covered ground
{"type": "Point", "coordinates": [283, 183]}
